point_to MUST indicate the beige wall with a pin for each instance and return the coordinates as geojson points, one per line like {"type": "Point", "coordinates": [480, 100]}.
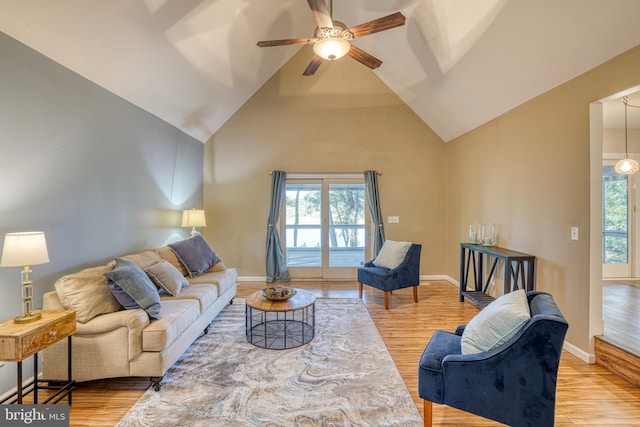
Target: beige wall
{"type": "Point", "coordinates": [613, 139]}
{"type": "Point", "coordinates": [528, 171]}
{"type": "Point", "coordinates": [343, 119]}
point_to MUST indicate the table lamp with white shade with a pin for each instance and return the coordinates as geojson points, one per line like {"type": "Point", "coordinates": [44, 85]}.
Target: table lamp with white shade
{"type": "Point", "coordinates": [24, 250]}
{"type": "Point", "coordinates": [193, 218]}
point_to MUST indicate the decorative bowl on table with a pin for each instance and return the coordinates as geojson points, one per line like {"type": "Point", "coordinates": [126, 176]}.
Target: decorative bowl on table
{"type": "Point", "coordinates": [278, 293]}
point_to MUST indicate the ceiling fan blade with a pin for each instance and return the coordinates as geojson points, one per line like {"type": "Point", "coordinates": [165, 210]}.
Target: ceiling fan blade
{"type": "Point", "coordinates": [321, 13]}
{"type": "Point", "coordinates": [285, 42]}
{"type": "Point", "coordinates": [385, 23]}
{"type": "Point", "coordinates": [364, 58]}
{"type": "Point", "coordinates": [313, 66]}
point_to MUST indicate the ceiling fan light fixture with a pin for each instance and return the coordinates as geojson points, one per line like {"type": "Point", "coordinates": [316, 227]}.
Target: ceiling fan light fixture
{"type": "Point", "coordinates": [331, 48]}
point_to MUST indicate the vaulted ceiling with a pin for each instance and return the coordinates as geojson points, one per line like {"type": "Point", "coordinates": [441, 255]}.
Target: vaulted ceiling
{"type": "Point", "coordinates": [456, 63]}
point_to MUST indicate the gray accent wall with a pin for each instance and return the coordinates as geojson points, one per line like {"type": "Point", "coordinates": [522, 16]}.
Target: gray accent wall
{"type": "Point", "coordinates": [98, 175]}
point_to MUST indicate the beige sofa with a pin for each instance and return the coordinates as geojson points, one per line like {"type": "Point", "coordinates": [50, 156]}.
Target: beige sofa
{"type": "Point", "coordinates": [113, 342]}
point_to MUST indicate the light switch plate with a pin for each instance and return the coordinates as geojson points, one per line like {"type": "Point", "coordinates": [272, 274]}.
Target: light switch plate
{"type": "Point", "coordinates": [575, 235]}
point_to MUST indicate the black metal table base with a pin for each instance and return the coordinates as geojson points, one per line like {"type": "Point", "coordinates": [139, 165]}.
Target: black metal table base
{"type": "Point", "coordinates": [280, 330]}
{"type": "Point", "coordinates": [63, 388]}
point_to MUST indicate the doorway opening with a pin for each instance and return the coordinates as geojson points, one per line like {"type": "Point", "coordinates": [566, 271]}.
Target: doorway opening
{"type": "Point", "coordinates": [613, 236]}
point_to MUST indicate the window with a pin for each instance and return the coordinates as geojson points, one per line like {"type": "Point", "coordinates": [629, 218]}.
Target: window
{"type": "Point", "coordinates": [325, 221]}
{"type": "Point", "coordinates": [615, 217]}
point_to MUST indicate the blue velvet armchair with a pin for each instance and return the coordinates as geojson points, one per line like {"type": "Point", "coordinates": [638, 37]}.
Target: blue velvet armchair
{"type": "Point", "coordinates": [405, 275]}
{"type": "Point", "coordinates": [514, 384]}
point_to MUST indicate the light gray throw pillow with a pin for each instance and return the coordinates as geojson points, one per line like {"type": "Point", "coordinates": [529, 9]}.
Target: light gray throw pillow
{"type": "Point", "coordinates": [166, 277]}
{"type": "Point", "coordinates": [496, 323]}
{"type": "Point", "coordinates": [391, 254]}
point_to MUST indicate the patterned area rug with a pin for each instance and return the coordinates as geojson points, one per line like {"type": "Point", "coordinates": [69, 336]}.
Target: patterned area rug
{"type": "Point", "coordinates": [343, 377]}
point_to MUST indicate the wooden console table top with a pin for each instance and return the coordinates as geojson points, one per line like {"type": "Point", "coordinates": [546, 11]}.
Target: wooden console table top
{"type": "Point", "coordinates": [21, 340]}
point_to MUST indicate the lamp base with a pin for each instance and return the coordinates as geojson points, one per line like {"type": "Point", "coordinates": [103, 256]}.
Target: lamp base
{"type": "Point", "coordinates": [27, 317]}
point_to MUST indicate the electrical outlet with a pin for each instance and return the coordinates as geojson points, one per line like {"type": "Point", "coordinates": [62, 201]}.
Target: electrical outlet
{"type": "Point", "coordinates": [575, 235]}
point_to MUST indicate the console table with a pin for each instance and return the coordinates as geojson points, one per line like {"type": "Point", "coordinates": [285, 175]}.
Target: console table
{"type": "Point", "coordinates": [519, 271]}
{"type": "Point", "coordinates": [20, 341]}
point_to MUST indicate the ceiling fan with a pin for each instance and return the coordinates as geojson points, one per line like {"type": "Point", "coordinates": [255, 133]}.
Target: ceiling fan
{"type": "Point", "coordinates": [331, 38]}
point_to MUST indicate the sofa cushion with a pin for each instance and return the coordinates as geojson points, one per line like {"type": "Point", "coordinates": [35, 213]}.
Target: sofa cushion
{"type": "Point", "coordinates": [166, 277]}
{"type": "Point", "coordinates": [177, 316]}
{"type": "Point", "coordinates": [196, 254]}
{"type": "Point", "coordinates": [133, 288]}
{"type": "Point", "coordinates": [222, 279]}
{"type": "Point", "coordinates": [143, 259]}
{"type": "Point", "coordinates": [496, 323]}
{"type": "Point", "coordinates": [86, 293]}
{"type": "Point", "coordinates": [205, 294]}
{"type": "Point", "coordinates": [391, 254]}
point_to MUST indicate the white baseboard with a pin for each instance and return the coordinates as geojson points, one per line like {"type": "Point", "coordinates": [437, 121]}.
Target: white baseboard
{"type": "Point", "coordinates": [435, 277]}
{"type": "Point", "coordinates": [451, 280]}
{"type": "Point", "coordinates": [264, 279]}
{"type": "Point", "coordinates": [252, 278]}
{"type": "Point", "coordinates": [579, 353]}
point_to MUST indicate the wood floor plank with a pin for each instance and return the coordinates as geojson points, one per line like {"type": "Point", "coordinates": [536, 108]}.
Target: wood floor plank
{"type": "Point", "coordinates": [587, 394]}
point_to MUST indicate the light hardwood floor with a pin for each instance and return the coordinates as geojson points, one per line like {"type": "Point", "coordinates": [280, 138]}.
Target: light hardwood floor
{"type": "Point", "coordinates": [621, 313]}
{"type": "Point", "coordinates": [586, 394]}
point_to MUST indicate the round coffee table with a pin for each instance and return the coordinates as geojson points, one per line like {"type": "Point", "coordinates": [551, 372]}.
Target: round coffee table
{"type": "Point", "coordinates": [279, 325]}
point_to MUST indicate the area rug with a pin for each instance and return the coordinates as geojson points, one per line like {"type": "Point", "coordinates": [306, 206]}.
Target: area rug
{"type": "Point", "coordinates": [343, 377]}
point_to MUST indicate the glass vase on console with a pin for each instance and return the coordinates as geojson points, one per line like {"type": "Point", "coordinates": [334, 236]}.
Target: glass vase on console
{"type": "Point", "coordinates": [474, 233]}
{"type": "Point", "coordinates": [488, 237]}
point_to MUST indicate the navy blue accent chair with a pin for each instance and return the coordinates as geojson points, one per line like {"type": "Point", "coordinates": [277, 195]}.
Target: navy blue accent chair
{"type": "Point", "coordinates": [514, 384]}
{"type": "Point", "coordinates": [406, 275]}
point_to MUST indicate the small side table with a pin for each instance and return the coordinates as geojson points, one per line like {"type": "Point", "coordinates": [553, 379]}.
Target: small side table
{"type": "Point", "coordinates": [20, 341]}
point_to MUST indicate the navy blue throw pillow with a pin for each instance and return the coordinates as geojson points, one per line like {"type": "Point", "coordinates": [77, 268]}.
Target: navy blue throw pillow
{"type": "Point", "coordinates": [195, 254]}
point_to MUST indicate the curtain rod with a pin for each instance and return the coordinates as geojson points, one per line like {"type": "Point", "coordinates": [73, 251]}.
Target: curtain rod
{"type": "Point", "coordinates": [326, 173]}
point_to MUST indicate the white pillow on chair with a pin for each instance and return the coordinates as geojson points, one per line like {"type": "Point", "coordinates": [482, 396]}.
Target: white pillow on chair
{"type": "Point", "coordinates": [392, 254]}
{"type": "Point", "coordinates": [496, 323]}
